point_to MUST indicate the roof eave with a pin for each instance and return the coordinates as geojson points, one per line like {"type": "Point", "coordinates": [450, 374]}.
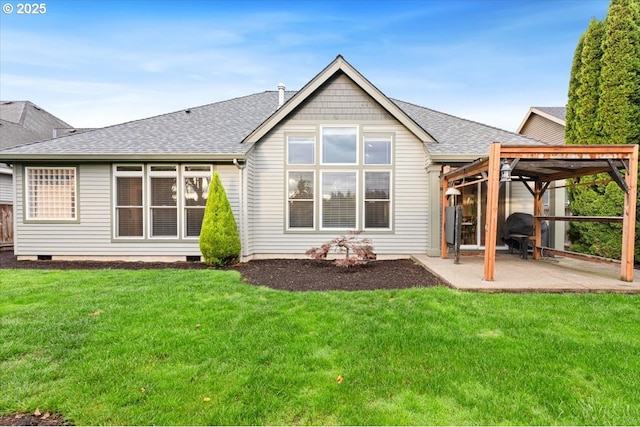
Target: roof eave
{"type": "Point", "coordinates": [173, 157]}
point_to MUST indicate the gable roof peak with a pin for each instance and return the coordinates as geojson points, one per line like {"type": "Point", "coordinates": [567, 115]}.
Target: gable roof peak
{"type": "Point", "coordinates": [338, 65]}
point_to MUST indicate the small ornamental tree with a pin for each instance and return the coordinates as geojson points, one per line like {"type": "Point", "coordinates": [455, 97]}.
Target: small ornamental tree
{"type": "Point", "coordinates": [356, 251]}
{"type": "Point", "coordinates": [219, 236]}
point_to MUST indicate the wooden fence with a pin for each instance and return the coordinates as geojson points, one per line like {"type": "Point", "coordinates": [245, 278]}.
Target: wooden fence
{"type": "Point", "coordinates": [6, 225]}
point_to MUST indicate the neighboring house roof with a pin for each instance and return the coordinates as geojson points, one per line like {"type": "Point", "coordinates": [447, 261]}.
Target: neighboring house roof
{"type": "Point", "coordinates": [544, 123]}
{"type": "Point", "coordinates": [23, 122]}
{"type": "Point", "coordinates": [555, 114]}
{"type": "Point", "coordinates": [227, 129]}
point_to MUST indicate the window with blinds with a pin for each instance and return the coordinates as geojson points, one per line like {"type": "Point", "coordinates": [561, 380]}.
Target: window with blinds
{"type": "Point", "coordinates": [129, 210]}
{"type": "Point", "coordinates": [377, 200]}
{"type": "Point", "coordinates": [51, 193]}
{"type": "Point", "coordinates": [349, 187]}
{"type": "Point", "coordinates": [160, 201]}
{"type": "Point", "coordinates": [301, 205]}
{"type": "Point", "coordinates": [339, 190]}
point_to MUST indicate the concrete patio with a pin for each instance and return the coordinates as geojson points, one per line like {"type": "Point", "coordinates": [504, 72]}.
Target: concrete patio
{"type": "Point", "coordinates": [514, 274]}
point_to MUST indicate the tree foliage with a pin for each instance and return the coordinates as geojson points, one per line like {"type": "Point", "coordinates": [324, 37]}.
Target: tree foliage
{"type": "Point", "coordinates": [604, 108]}
{"type": "Point", "coordinates": [356, 250]}
{"type": "Point", "coordinates": [219, 236]}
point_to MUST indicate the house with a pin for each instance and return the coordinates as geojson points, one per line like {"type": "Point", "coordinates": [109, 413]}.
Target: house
{"type": "Point", "coordinates": [21, 122]}
{"type": "Point", "coordinates": [547, 124]}
{"type": "Point", "coordinates": [299, 168]}
{"type": "Point", "coordinates": [544, 123]}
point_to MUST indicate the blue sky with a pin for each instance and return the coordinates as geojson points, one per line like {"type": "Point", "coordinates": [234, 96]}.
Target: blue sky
{"type": "Point", "coordinates": [97, 63]}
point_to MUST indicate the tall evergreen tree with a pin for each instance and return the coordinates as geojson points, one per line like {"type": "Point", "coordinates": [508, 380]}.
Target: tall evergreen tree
{"type": "Point", "coordinates": [588, 90]}
{"type": "Point", "coordinates": [570, 130]}
{"type": "Point", "coordinates": [605, 109]}
{"type": "Point", "coordinates": [619, 103]}
{"type": "Point", "coordinates": [219, 236]}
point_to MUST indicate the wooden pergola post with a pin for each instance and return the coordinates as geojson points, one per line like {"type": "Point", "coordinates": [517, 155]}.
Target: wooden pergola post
{"type": "Point", "coordinates": [629, 218]}
{"type": "Point", "coordinates": [538, 208]}
{"type": "Point", "coordinates": [443, 216]}
{"type": "Point", "coordinates": [546, 164]}
{"type": "Point", "coordinates": [491, 227]}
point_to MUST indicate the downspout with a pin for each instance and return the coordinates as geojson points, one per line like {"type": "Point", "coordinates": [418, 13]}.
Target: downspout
{"type": "Point", "coordinates": [243, 224]}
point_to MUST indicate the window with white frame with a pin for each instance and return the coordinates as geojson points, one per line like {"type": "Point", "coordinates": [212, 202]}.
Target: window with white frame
{"type": "Point", "coordinates": [196, 180]}
{"type": "Point", "coordinates": [301, 150]}
{"type": "Point", "coordinates": [129, 215]}
{"type": "Point", "coordinates": [350, 187]}
{"type": "Point", "coordinates": [377, 200]}
{"type": "Point", "coordinates": [340, 145]}
{"type": "Point", "coordinates": [163, 201]}
{"type": "Point", "coordinates": [51, 193]}
{"type": "Point", "coordinates": [301, 199]}
{"type": "Point", "coordinates": [377, 150]}
{"type": "Point", "coordinates": [339, 192]}
{"type": "Point", "coordinates": [160, 201]}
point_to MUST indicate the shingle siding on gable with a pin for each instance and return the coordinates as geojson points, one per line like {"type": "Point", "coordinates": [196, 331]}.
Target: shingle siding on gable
{"type": "Point", "coordinates": [543, 129]}
{"type": "Point", "coordinates": [342, 99]}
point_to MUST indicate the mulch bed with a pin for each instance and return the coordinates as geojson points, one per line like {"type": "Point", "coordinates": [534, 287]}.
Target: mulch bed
{"type": "Point", "coordinates": [283, 274]}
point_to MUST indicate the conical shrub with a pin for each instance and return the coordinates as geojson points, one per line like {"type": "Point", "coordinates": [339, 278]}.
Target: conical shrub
{"type": "Point", "coordinates": [219, 236]}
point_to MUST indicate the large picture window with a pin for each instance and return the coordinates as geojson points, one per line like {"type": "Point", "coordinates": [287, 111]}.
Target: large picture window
{"type": "Point", "coordinates": [350, 186]}
{"type": "Point", "coordinates": [51, 194]}
{"type": "Point", "coordinates": [339, 191]}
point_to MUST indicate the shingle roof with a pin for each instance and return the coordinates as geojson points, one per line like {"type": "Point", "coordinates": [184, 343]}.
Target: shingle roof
{"type": "Point", "coordinates": [23, 122]}
{"type": "Point", "coordinates": [218, 129]}
{"type": "Point", "coordinates": [559, 112]}
{"type": "Point", "coordinates": [458, 136]}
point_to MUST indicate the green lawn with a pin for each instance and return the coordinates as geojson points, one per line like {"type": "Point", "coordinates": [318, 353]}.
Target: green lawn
{"type": "Point", "coordinates": [201, 347]}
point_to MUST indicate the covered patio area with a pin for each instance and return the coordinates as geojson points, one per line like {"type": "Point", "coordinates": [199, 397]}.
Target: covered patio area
{"type": "Point", "coordinates": [537, 167]}
{"type": "Point", "coordinates": [514, 274]}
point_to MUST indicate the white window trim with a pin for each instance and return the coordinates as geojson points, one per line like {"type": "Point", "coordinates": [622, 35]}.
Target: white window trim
{"type": "Point", "coordinates": [314, 200]}
{"type": "Point", "coordinates": [163, 174]}
{"type": "Point", "coordinates": [377, 137]}
{"type": "Point", "coordinates": [313, 143]}
{"type": "Point", "coordinates": [320, 198]}
{"type": "Point", "coordinates": [321, 144]}
{"type": "Point", "coordinates": [132, 174]}
{"type": "Point", "coordinates": [183, 205]}
{"type": "Point", "coordinates": [365, 200]}
{"type": "Point", "coordinates": [27, 179]}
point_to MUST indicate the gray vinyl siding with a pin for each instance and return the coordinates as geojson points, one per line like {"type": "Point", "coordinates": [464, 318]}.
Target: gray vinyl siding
{"type": "Point", "coordinates": [6, 189]}
{"type": "Point", "coordinates": [92, 234]}
{"type": "Point", "coordinates": [410, 189]}
{"type": "Point", "coordinates": [543, 129]}
{"type": "Point", "coordinates": [410, 198]}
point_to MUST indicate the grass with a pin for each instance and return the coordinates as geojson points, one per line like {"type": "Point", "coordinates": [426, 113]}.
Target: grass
{"type": "Point", "coordinates": [200, 347]}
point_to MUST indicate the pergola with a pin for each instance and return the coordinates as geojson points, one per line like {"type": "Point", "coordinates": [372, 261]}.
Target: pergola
{"type": "Point", "coordinates": [541, 165]}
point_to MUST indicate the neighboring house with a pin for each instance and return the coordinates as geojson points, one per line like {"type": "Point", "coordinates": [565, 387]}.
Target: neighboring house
{"type": "Point", "coordinates": [299, 168]}
{"type": "Point", "coordinates": [547, 124]}
{"type": "Point", "coordinates": [544, 123]}
{"type": "Point", "coordinates": [21, 122]}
